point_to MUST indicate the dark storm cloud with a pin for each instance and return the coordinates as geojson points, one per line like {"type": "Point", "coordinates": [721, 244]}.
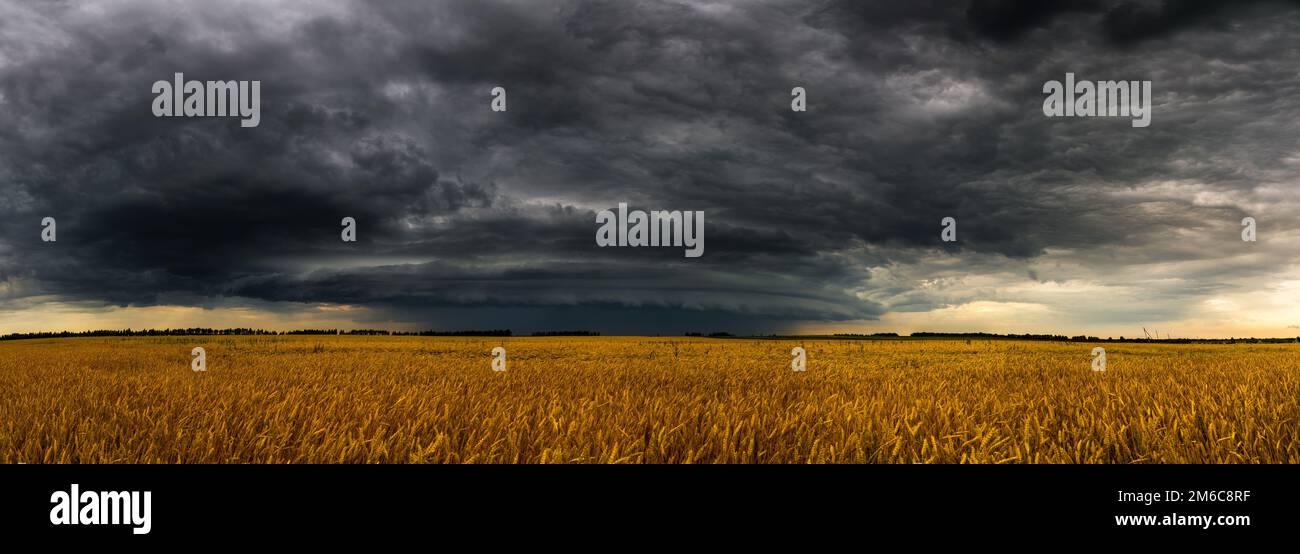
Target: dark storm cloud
{"type": "Point", "coordinates": [1124, 23]}
{"type": "Point", "coordinates": [379, 111]}
{"type": "Point", "coordinates": [1135, 21]}
{"type": "Point", "coordinates": [1009, 19]}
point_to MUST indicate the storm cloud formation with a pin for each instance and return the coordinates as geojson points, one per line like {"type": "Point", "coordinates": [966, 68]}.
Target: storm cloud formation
{"type": "Point", "coordinates": [472, 218]}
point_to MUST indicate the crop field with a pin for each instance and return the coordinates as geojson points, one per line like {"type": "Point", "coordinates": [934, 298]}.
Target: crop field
{"type": "Point", "coordinates": [379, 399]}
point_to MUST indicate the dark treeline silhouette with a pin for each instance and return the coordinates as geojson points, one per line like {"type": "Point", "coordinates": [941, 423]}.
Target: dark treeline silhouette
{"type": "Point", "coordinates": [470, 333]}
{"type": "Point", "coordinates": [1065, 338]}
{"type": "Point", "coordinates": [138, 333]}
{"type": "Point", "coordinates": [566, 334]}
{"type": "Point", "coordinates": [486, 333]}
{"type": "Point", "coordinates": [1026, 336]}
{"type": "Point", "coordinates": [244, 331]}
{"type": "Point", "coordinates": [866, 336]}
{"type": "Point", "coordinates": [1087, 338]}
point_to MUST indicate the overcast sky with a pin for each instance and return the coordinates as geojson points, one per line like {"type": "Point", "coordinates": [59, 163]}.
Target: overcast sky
{"type": "Point", "coordinates": [816, 221]}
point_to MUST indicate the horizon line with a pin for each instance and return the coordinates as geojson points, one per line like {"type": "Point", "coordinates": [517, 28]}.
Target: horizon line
{"type": "Point", "coordinates": [251, 331]}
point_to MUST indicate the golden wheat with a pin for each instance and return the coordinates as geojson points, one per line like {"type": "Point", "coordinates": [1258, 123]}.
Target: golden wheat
{"type": "Point", "coordinates": [355, 399]}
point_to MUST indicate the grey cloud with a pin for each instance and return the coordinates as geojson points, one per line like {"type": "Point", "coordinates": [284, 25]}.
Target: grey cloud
{"type": "Point", "coordinates": [918, 111]}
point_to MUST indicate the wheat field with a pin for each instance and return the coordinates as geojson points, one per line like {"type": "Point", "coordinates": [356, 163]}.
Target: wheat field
{"type": "Point", "coordinates": [379, 399]}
